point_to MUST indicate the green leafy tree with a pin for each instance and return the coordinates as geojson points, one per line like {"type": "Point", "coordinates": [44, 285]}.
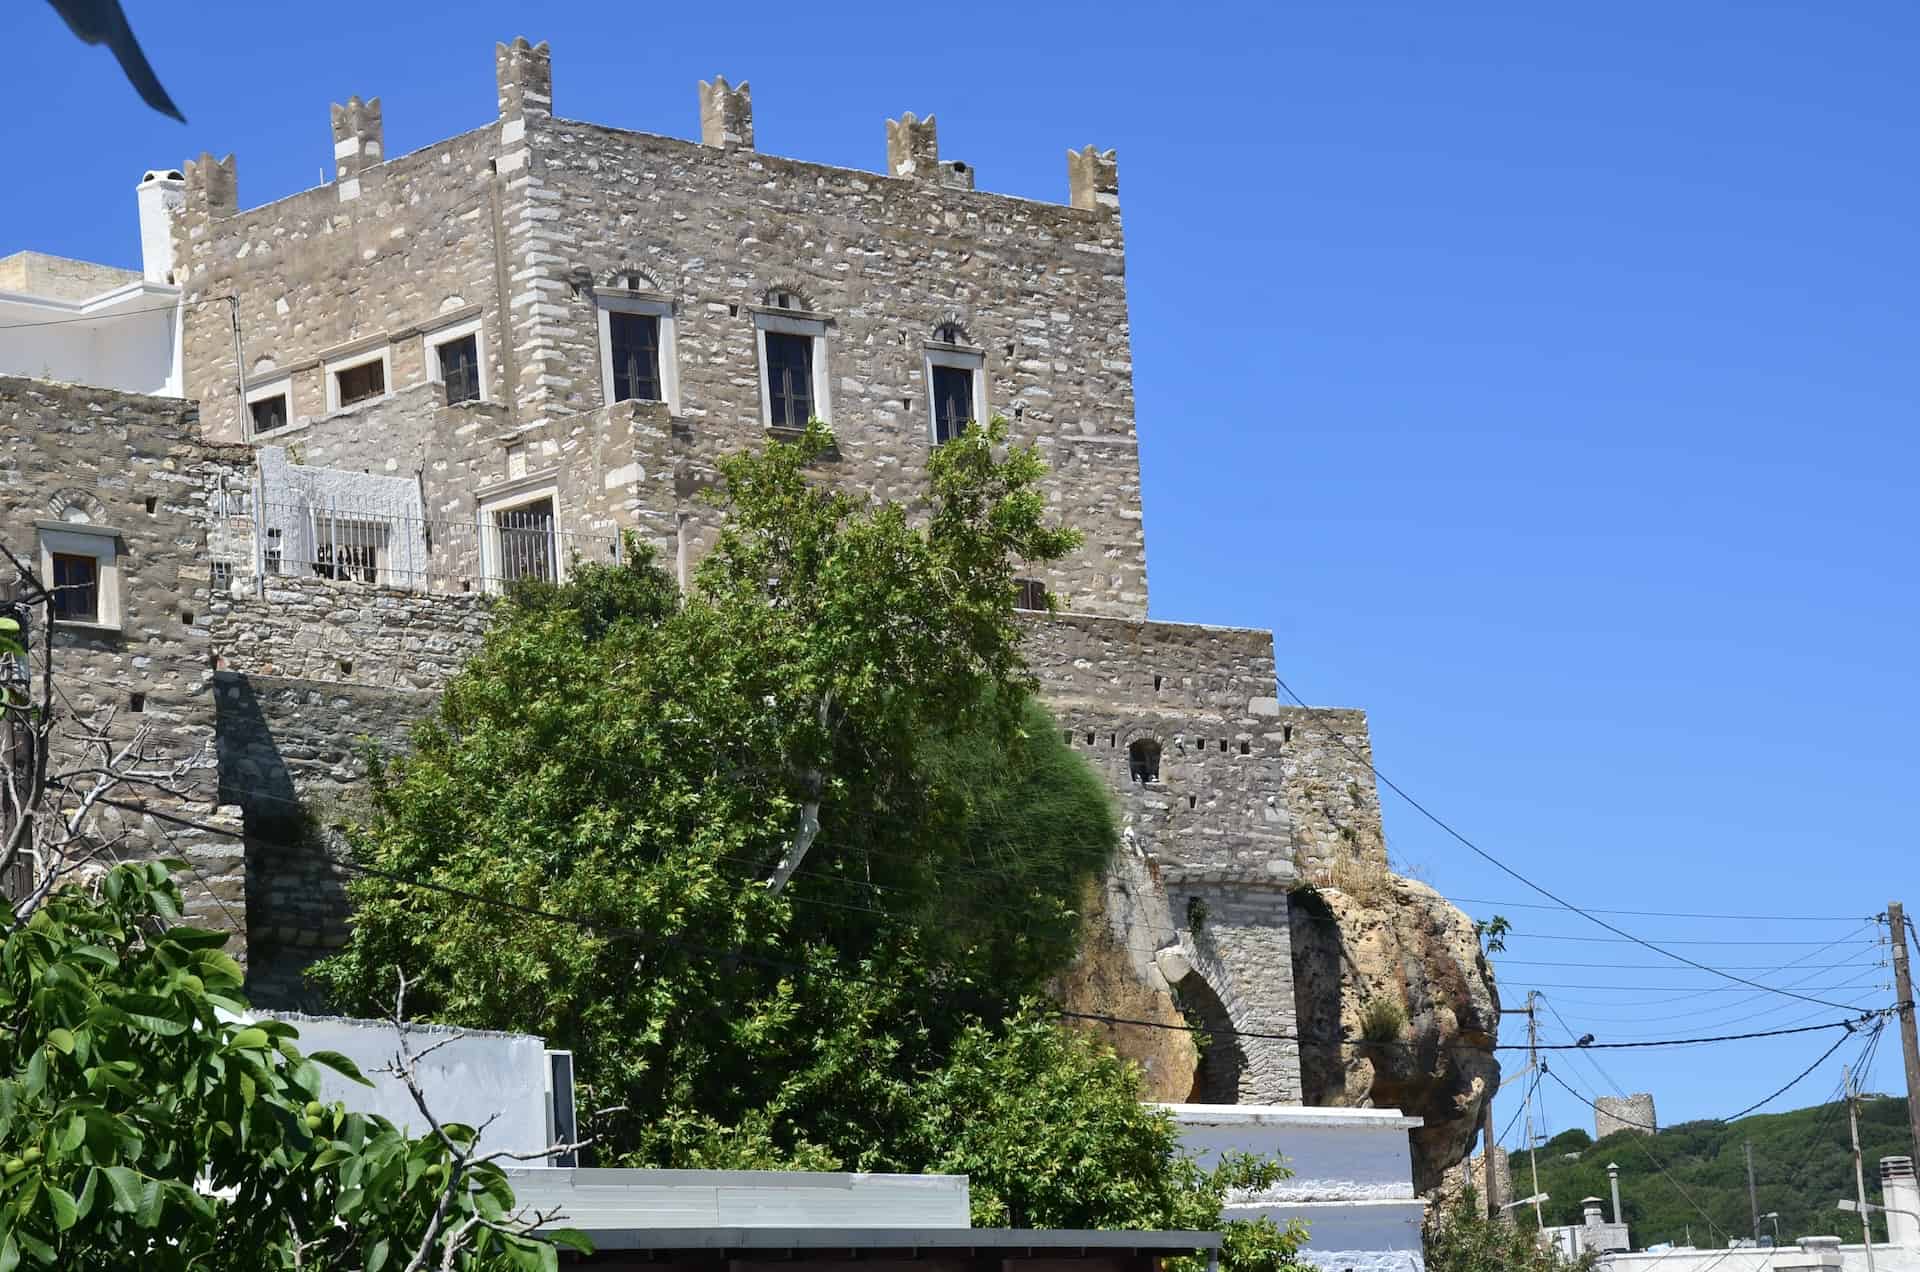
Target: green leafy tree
{"type": "Point", "coordinates": [1461, 1238]}
{"type": "Point", "coordinates": [782, 858]}
{"type": "Point", "coordinates": [750, 795]}
{"type": "Point", "coordinates": [143, 1125]}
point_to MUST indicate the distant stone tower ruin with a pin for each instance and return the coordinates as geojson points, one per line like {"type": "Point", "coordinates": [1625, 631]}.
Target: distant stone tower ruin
{"type": "Point", "coordinates": [1624, 1113]}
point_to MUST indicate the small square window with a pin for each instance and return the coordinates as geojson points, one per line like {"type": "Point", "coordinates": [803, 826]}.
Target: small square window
{"type": "Point", "coordinates": [790, 379]}
{"type": "Point", "coordinates": [357, 384]}
{"type": "Point", "coordinates": [459, 369]}
{"type": "Point", "coordinates": [76, 587]}
{"type": "Point", "coordinates": [269, 412]}
{"type": "Point", "coordinates": [635, 341]}
{"type": "Point", "coordinates": [952, 402]}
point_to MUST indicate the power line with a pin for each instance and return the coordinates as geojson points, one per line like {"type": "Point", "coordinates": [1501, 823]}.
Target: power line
{"type": "Point", "coordinates": [735, 952]}
{"type": "Point", "coordinates": [1488, 857]}
{"type": "Point", "coordinates": [1645, 914]}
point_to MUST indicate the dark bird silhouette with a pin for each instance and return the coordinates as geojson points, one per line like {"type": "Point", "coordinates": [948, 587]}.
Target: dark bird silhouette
{"type": "Point", "coordinates": [105, 22]}
{"type": "Point", "coordinates": [1585, 1040]}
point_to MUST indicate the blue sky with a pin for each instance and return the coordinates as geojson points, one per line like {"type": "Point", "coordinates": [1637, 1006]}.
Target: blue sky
{"type": "Point", "coordinates": [1543, 376]}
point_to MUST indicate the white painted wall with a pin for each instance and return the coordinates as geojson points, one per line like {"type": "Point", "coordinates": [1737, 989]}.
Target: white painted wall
{"type": "Point", "coordinates": [1352, 1177]}
{"type": "Point", "coordinates": [126, 339]}
{"type": "Point", "coordinates": [1789, 1258]}
{"type": "Point", "coordinates": [468, 1080]}
{"type": "Point", "coordinates": [621, 1198]}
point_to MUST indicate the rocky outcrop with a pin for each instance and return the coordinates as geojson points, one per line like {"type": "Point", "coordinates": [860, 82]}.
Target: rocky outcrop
{"type": "Point", "coordinates": [1389, 966]}
{"type": "Point", "coordinates": [1105, 980]}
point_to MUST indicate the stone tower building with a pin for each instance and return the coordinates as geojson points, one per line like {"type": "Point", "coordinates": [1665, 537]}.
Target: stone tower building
{"type": "Point", "coordinates": [468, 364]}
{"type": "Point", "coordinates": [1624, 1113]}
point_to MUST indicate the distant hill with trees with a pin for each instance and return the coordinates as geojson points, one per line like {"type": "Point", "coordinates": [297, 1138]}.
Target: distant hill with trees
{"type": "Point", "coordinates": [1802, 1163]}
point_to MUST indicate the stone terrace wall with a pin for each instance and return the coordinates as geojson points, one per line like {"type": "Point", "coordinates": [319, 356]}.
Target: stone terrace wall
{"type": "Point", "coordinates": [134, 465]}
{"type": "Point", "coordinates": [332, 632]}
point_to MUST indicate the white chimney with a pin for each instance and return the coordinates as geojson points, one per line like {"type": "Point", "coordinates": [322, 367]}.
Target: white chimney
{"type": "Point", "coordinates": [1900, 1194]}
{"type": "Point", "coordinates": [161, 195]}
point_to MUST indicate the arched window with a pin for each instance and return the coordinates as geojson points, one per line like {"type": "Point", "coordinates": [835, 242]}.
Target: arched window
{"type": "Point", "coordinates": [1143, 760]}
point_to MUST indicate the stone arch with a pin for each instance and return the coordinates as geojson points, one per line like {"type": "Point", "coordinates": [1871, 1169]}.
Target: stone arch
{"type": "Point", "coordinates": [74, 505]}
{"type": "Point", "coordinates": [631, 277]}
{"type": "Point", "coordinates": [1143, 759]}
{"type": "Point", "coordinates": [788, 295]}
{"type": "Point", "coordinates": [951, 331]}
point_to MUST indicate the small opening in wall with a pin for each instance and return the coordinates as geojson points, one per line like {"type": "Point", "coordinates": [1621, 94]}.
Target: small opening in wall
{"type": "Point", "coordinates": [1069, 737]}
{"type": "Point", "coordinates": [1113, 739]}
{"type": "Point", "coordinates": [1192, 800]}
{"type": "Point", "coordinates": [733, 311]}
{"type": "Point", "coordinates": [1286, 733]}
{"type": "Point", "coordinates": [1143, 760]}
{"type": "Point", "coordinates": [153, 501]}
{"type": "Point", "coordinates": [186, 616]}
{"type": "Point", "coordinates": [1223, 746]}
{"type": "Point", "coordinates": [1089, 737]}
{"type": "Point", "coordinates": [1246, 748]}
{"type": "Point", "coordinates": [136, 702]}
{"type": "Point", "coordinates": [222, 574]}
{"type": "Point", "coordinates": [346, 666]}
{"type": "Point", "coordinates": [958, 166]}
{"type": "Point", "coordinates": [1156, 684]}
{"type": "Point", "coordinates": [1200, 744]}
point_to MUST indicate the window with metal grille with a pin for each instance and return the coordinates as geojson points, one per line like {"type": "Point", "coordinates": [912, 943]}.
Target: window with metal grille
{"type": "Point", "coordinates": [952, 402]}
{"type": "Point", "coordinates": [357, 384]}
{"type": "Point", "coordinates": [348, 550]}
{"type": "Point", "coordinates": [269, 412]}
{"type": "Point", "coordinates": [76, 587]}
{"type": "Point", "coordinates": [460, 368]}
{"type": "Point", "coordinates": [275, 551]}
{"type": "Point", "coordinates": [1029, 594]}
{"type": "Point", "coordinates": [790, 379]}
{"type": "Point", "coordinates": [636, 356]}
{"type": "Point", "coordinates": [526, 539]}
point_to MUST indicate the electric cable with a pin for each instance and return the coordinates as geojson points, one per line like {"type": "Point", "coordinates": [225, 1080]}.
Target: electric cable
{"type": "Point", "coordinates": [1334, 733]}
{"type": "Point", "coordinates": [125, 313]}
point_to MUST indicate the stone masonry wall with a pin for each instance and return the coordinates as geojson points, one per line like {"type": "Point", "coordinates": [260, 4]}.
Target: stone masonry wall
{"type": "Point", "coordinates": [131, 464]}
{"type": "Point", "coordinates": [527, 223]}
{"type": "Point", "coordinates": [1624, 1113]}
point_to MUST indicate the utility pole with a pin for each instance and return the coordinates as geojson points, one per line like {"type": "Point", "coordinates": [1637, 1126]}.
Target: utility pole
{"type": "Point", "coordinates": [1859, 1170]}
{"type": "Point", "coordinates": [1909, 1045]}
{"type": "Point", "coordinates": [1486, 1157]}
{"type": "Point", "coordinates": [1753, 1194]}
{"type": "Point", "coordinates": [1533, 1062]}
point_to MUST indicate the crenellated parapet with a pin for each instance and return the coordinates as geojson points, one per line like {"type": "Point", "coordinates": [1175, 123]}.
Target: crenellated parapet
{"type": "Point", "coordinates": [913, 147]}
{"type": "Point", "coordinates": [1093, 180]}
{"type": "Point", "coordinates": [358, 143]}
{"type": "Point", "coordinates": [523, 76]}
{"type": "Point", "coordinates": [726, 114]}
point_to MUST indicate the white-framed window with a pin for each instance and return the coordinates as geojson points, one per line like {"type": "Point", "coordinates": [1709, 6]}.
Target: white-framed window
{"type": "Point", "coordinates": [456, 356]}
{"type": "Point", "coordinates": [639, 348]}
{"type": "Point", "coordinates": [520, 535]}
{"type": "Point", "coordinates": [359, 377]}
{"type": "Point", "coordinates": [350, 548]}
{"type": "Point", "coordinates": [80, 562]}
{"type": "Point", "coordinates": [956, 388]}
{"type": "Point", "coordinates": [270, 404]}
{"type": "Point", "coordinates": [794, 385]}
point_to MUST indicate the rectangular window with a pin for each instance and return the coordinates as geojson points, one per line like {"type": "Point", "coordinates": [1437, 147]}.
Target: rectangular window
{"type": "Point", "coordinates": [790, 379]}
{"type": "Point", "coordinates": [526, 537]}
{"type": "Point", "coordinates": [459, 369]}
{"type": "Point", "coordinates": [357, 384]}
{"type": "Point", "coordinates": [76, 587]}
{"type": "Point", "coordinates": [1030, 594]}
{"type": "Point", "coordinates": [952, 402]}
{"type": "Point", "coordinates": [275, 551]}
{"type": "Point", "coordinates": [269, 412]}
{"type": "Point", "coordinates": [635, 342]}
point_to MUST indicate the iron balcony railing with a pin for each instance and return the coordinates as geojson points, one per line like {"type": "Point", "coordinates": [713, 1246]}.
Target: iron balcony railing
{"type": "Point", "coordinates": [494, 549]}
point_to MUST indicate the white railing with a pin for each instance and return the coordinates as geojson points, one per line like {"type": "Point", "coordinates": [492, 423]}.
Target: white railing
{"type": "Point", "coordinates": [490, 552]}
